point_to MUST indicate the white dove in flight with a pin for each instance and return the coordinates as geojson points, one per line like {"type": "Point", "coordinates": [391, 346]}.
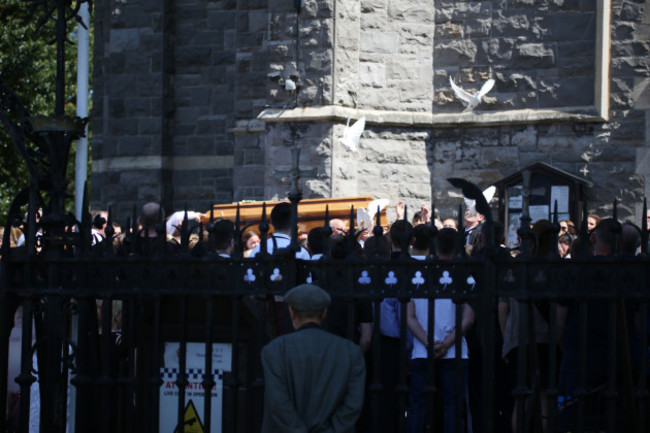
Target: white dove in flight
{"type": "Point", "coordinates": [472, 100]}
{"type": "Point", "coordinates": [352, 134]}
{"type": "Point", "coordinates": [366, 218]}
{"type": "Point", "coordinates": [488, 193]}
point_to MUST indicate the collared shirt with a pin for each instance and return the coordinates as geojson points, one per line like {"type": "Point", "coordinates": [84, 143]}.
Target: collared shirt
{"type": "Point", "coordinates": [282, 241]}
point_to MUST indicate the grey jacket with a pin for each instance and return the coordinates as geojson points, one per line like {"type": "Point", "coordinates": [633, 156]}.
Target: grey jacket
{"type": "Point", "coordinates": [314, 382]}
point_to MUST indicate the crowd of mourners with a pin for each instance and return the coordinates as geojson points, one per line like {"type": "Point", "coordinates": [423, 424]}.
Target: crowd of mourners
{"type": "Point", "coordinates": [429, 236]}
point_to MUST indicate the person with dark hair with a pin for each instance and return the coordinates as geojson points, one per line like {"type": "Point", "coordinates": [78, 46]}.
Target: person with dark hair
{"type": "Point", "coordinates": [401, 236]}
{"type": "Point", "coordinates": [444, 344]}
{"type": "Point", "coordinates": [315, 239]}
{"type": "Point", "coordinates": [314, 380]}
{"type": "Point", "coordinates": [422, 236]}
{"type": "Point", "coordinates": [445, 242]}
{"type": "Point", "coordinates": [564, 245]}
{"type": "Point", "coordinates": [281, 237]}
{"type": "Point", "coordinates": [510, 313]}
{"type": "Point", "coordinates": [224, 231]}
{"type": "Point", "coordinates": [567, 226]}
{"type": "Point", "coordinates": [630, 240]}
{"type": "Point", "coordinates": [598, 348]}
{"type": "Point", "coordinates": [338, 317]}
{"type": "Point", "coordinates": [592, 221]}
{"type": "Point", "coordinates": [377, 247]}
{"type": "Point", "coordinates": [99, 223]}
{"type": "Point", "coordinates": [385, 401]}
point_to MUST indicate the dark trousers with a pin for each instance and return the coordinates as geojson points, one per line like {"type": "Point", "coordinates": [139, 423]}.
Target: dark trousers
{"type": "Point", "coordinates": [445, 379]}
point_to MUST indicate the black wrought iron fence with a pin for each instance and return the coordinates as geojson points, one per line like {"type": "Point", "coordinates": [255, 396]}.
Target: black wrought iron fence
{"type": "Point", "coordinates": [117, 342]}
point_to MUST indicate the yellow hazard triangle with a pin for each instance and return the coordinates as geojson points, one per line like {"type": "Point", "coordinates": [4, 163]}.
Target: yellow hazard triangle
{"type": "Point", "coordinates": [191, 422]}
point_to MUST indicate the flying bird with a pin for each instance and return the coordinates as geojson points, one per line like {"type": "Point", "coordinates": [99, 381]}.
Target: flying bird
{"type": "Point", "coordinates": [365, 218]}
{"type": "Point", "coordinates": [352, 134]}
{"type": "Point", "coordinates": [472, 99]}
{"type": "Point", "coordinates": [289, 85]}
{"type": "Point", "coordinates": [488, 193]}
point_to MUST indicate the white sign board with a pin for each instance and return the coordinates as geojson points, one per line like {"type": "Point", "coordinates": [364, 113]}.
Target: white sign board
{"type": "Point", "coordinates": [560, 193]}
{"type": "Point", "coordinates": [194, 392]}
{"type": "Point", "coordinates": [538, 212]}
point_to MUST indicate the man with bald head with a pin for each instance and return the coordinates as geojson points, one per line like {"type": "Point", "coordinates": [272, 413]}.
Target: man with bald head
{"type": "Point", "coordinates": [150, 215]}
{"type": "Point", "coordinates": [338, 227]}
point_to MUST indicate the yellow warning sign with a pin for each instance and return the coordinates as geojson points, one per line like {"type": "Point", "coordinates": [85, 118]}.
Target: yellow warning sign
{"type": "Point", "coordinates": [191, 422]}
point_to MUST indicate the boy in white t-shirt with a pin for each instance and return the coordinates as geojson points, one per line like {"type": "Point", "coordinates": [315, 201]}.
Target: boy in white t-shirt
{"type": "Point", "coordinates": [444, 341]}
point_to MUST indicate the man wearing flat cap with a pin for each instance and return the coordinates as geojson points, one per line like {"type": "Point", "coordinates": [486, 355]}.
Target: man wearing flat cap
{"type": "Point", "coordinates": [314, 380]}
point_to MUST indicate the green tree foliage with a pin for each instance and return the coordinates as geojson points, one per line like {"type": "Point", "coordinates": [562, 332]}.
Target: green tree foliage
{"type": "Point", "coordinates": [28, 66]}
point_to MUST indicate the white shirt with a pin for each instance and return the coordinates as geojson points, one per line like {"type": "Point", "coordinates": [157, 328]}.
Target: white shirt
{"type": "Point", "coordinates": [445, 322]}
{"type": "Point", "coordinates": [282, 241]}
{"type": "Point", "coordinates": [445, 316]}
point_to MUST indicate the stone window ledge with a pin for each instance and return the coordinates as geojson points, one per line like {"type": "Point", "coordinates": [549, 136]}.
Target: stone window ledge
{"type": "Point", "coordinates": [407, 119]}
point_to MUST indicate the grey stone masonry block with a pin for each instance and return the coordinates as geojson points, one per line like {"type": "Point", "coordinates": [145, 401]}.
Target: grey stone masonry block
{"type": "Point", "coordinates": [576, 58]}
{"type": "Point", "coordinates": [134, 146]}
{"type": "Point", "coordinates": [135, 20]}
{"type": "Point", "coordinates": [122, 40]}
{"type": "Point", "coordinates": [512, 23]}
{"type": "Point", "coordinates": [456, 10]}
{"type": "Point", "coordinates": [412, 11]}
{"type": "Point", "coordinates": [221, 19]}
{"type": "Point", "coordinates": [282, 26]}
{"type": "Point", "coordinates": [137, 106]}
{"type": "Point", "coordinates": [372, 74]}
{"type": "Point", "coordinates": [123, 86]}
{"type": "Point", "coordinates": [225, 147]}
{"type": "Point", "coordinates": [379, 42]}
{"type": "Point", "coordinates": [116, 108]}
{"type": "Point", "coordinates": [455, 53]}
{"type": "Point", "coordinates": [311, 34]}
{"type": "Point", "coordinates": [191, 58]}
{"type": "Point", "coordinates": [138, 178]}
{"type": "Point", "coordinates": [495, 51]}
{"type": "Point", "coordinates": [120, 127]}
{"type": "Point", "coordinates": [401, 68]}
{"type": "Point", "coordinates": [415, 90]}
{"type": "Point", "coordinates": [115, 63]}
{"type": "Point", "coordinates": [149, 126]}
{"type": "Point", "coordinates": [249, 175]}
{"type": "Point", "coordinates": [568, 27]}
{"type": "Point", "coordinates": [449, 30]}
{"type": "Point", "coordinates": [318, 61]}
{"type": "Point", "coordinates": [210, 124]}
{"type": "Point", "coordinates": [630, 49]}
{"type": "Point", "coordinates": [567, 92]}
{"type": "Point", "coordinates": [631, 66]}
{"type": "Point", "coordinates": [386, 99]}
{"type": "Point", "coordinates": [534, 56]}
{"type": "Point", "coordinates": [258, 21]}
{"type": "Point", "coordinates": [631, 11]}
{"type": "Point", "coordinates": [478, 27]}
{"type": "Point", "coordinates": [318, 9]}
{"type": "Point", "coordinates": [516, 81]}
{"type": "Point", "coordinates": [201, 145]}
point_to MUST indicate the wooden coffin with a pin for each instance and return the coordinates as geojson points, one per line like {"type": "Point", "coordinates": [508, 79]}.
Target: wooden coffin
{"type": "Point", "coordinates": [311, 212]}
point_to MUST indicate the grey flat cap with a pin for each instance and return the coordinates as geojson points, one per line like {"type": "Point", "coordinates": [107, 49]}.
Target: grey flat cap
{"type": "Point", "coordinates": [307, 297]}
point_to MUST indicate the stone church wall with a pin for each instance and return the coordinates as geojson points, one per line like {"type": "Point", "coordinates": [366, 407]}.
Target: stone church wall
{"type": "Point", "coordinates": [191, 101]}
